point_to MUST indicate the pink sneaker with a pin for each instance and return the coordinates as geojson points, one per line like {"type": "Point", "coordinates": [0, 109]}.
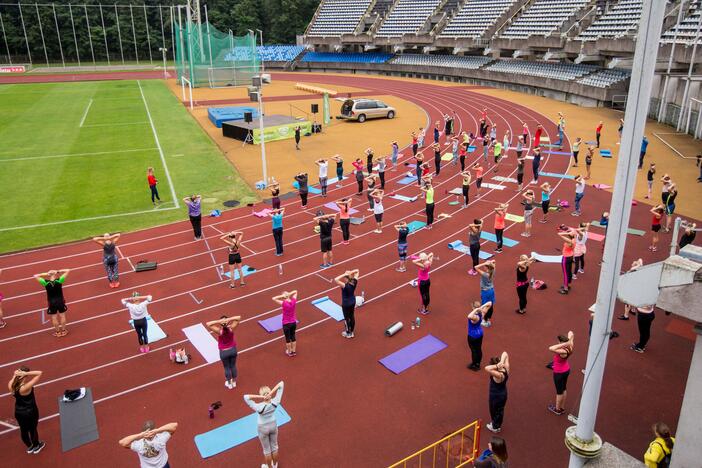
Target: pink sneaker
{"type": "Point", "coordinates": [146, 349]}
{"type": "Point", "coordinates": [141, 349]}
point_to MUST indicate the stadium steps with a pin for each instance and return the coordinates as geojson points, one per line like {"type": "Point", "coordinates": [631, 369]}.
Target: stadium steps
{"type": "Point", "coordinates": [510, 17]}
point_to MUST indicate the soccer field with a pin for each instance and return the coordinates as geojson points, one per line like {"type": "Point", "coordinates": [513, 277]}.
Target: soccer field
{"type": "Point", "coordinates": [74, 156]}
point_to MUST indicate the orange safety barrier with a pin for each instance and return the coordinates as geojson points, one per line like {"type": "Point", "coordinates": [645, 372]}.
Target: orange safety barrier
{"type": "Point", "coordinates": [314, 89]}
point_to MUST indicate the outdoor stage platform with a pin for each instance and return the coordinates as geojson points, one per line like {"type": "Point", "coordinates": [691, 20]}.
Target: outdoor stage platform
{"type": "Point", "coordinates": [275, 127]}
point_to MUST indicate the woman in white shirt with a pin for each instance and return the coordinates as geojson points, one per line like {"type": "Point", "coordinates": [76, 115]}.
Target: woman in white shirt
{"type": "Point", "coordinates": [150, 444]}
{"type": "Point", "coordinates": [323, 175]}
{"type": "Point", "coordinates": [136, 305]}
{"type": "Point", "coordinates": [378, 209]}
{"type": "Point", "coordinates": [265, 404]}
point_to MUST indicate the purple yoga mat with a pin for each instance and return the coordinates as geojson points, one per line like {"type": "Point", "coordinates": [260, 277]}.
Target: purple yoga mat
{"type": "Point", "coordinates": [273, 324]}
{"type": "Point", "coordinates": [412, 354]}
{"type": "Point", "coordinates": [332, 206]}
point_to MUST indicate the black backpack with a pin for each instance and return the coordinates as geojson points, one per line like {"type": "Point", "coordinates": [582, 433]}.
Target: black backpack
{"type": "Point", "coordinates": [665, 461]}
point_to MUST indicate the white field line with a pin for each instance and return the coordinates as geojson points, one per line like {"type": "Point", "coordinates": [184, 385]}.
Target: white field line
{"type": "Point", "coordinates": [658, 135]}
{"type": "Point", "coordinates": [125, 258]}
{"type": "Point", "coordinates": [92, 218]}
{"type": "Point", "coordinates": [85, 114]}
{"type": "Point", "coordinates": [77, 154]}
{"type": "Point", "coordinates": [158, 145]}
{"type": "Point", "coordinates": [115, 124]}
{"type": "Point", "coordinates": [12, 427]}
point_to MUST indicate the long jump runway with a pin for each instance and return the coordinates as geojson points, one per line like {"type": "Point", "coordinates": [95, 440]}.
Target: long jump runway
{"type": "Point", "coordinates": [346, 409]}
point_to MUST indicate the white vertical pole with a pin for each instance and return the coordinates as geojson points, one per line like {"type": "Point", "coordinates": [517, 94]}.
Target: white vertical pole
{"type": "Point", "coordinates": [163, 35]}
{"type": "Point", "coordinates": [90, 36]}
{"type": "Point", "coordinates": [24, 30]}
{"type": "Point", "coordinates": [104, 35]}
{"type": "Point", "coordinates": [4, 37]}
{"type": "Point", "coordinates": [148, 39]}
{"type": "Point", "coordinates": [73, 28]}
{"type": "Point", "coordinates": [689, 74]}
{"type": "Point", "coordinates": [582, 440]}
{"type": "Point", "coordinates": [173, 49]}
{"type": "Point", "coordinates": [119, 34]}
{"type": "Point", "coordinates": [41, 31]}
{"type": "Point", "coordinates": [263, 139]}
{"type": "Point", "coordinates": [664, 102]}
{"type": "Point", "coordinates": [136, 50]}
{"type": "Point", "coordinates": [58, 35]}
{"type": "Point", "coordinates": [209, 38]}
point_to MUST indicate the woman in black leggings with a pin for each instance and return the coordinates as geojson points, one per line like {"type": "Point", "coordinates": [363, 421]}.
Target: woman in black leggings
{"type": "Point", "coordinates": [358, 170]}
{"type": "Point", "coordinates": [474, 244]}
{"type": "Point", "coordinates": [424, 264]}
{"type": "Point", "coordinates": [523, 281]}
{"type": "Point", "coordinates": [348, 282]}
{"type": "Point", "coordinates": [345, 218]}
{"type": "Point", "coordinates": [644, 320]}
{"type": "Point", "coordinates": [499, 374]}
{"type": "Point", "coordinates": [21, 386]}
{"type": "Point", "coordinates": [465, 189]}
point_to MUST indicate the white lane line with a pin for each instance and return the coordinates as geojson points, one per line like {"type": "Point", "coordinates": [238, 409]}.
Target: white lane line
{"type": "Point", "coordinates": [160, 150]}
{"type": "Point", "coordinates": [115, 124]}
{"type": "Point", "coordinates": [85, 114]}
{"type": "Point", "coordinates": [92, 218]}
{"type": "Point", "coordinates": [244, 247]}
{"type": "Point", "coordinates": [125, 258]}
{"type": "Point", "coordinates": [214, 261]}
{"type": "Point", "coordinates": [76, 154]}
{"type": "Point", "coordinates": [195, 299]}
{"type": "Point", "coordinates": [11, 426]}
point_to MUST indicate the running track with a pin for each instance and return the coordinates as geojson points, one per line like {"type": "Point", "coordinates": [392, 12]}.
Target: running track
{"type": "Point", "coordinates": [347, 410]}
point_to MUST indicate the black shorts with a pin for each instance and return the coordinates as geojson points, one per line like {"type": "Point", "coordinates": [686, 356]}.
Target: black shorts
{"type": "Point", "coordinates": [478, 182]}
{"type": "Point", "coordinates": [378, 217]}
{"type": "Point", "coordinates": [465, 190]}
{"type": "Point", "coordinates": [326, 244]}
{"type": "Point", "coordinates": [234, 258]}
{"type": "Point", "coordinates": [544, 205]}
{"type": "Point", "coordinates": [655, 227]}
{"type": "Point", "coordinates": [560, 379]}
{"type": "Point", "coordinates": [56, 308]}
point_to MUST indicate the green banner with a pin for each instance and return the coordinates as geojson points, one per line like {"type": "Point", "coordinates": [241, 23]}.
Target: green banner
{"type": "Point", "coordinates": [281, 132]}
{"type": "Point", "coordinates": [326, 109]}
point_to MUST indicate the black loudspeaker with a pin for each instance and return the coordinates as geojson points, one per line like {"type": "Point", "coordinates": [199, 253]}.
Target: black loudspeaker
{"type": "Point", "coordinates": [248, 117]}
{"type": "Point", "coordinates": [315, 108]}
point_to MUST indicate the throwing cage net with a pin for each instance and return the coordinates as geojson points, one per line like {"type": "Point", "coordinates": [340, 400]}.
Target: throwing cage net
{"type": "Point", "coordinates": [206, 56]}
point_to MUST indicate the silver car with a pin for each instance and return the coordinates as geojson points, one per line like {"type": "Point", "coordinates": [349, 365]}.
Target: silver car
{"type": "Point", "coordinates": [363, 109]}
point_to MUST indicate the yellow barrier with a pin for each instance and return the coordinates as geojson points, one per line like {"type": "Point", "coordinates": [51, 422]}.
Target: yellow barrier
{"type": "Point", "coordinates": [316, 90]}
{"type": "Point", "coordinates": [451, 451]}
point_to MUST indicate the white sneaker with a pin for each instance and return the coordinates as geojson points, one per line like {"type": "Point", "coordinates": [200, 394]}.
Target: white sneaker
{"type": "Point", "coordinates": [233, 385]}
{"type": "Point", "coordinates": [227, 384]}
{"type": "Point", "coordinates": [492, 429]}
{"type": "Point", "coordinates": [344, 334]}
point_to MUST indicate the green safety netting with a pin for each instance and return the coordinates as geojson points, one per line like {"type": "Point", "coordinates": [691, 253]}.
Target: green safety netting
{"type": "Point", "coordinates": [206, 56]}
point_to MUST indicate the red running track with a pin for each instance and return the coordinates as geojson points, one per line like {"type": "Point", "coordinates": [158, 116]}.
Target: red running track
{"type": "Point", "coordinates": [347, 410]}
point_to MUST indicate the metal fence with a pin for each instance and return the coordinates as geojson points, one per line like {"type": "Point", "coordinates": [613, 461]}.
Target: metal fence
{"type": "Point", "coordinates": [71, 34]}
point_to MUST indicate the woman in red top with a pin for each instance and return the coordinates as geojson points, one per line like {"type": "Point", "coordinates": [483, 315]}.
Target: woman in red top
{"type": "Point", "coordinates": [537, 136]}
{"type": "Point", "coordinates": [598, 133]}
{"type": "Point", "coordinates": [152, 185]}
{"type": "Point", "coordinates": [657, 212]}
{"type": "Point", "coordinates": [358, 170]}
{"type": "Point", "coordinates": [415, 144]}
{"type": "Point", "coordinates": [567, 260]}
{"type": "Point", "coordinates": [499, 225]}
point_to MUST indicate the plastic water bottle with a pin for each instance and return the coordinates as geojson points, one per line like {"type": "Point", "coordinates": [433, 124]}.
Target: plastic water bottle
{"type": "Point", "coordinates": [417, 322]}
{"type": "Point", "coordinates": [363, 295]}
{"type": "Point", "coordinates": [531, 282]}
{"type": "Point", "coordinates": [280, 268]}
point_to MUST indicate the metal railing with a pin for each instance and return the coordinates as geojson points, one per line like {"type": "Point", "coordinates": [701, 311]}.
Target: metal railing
{"type": "Point", "coordinates": [455, 450]}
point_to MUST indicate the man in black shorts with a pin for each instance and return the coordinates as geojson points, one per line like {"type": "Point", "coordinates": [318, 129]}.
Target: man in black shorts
{"type": "Point", "coordinates": [53, 283]}
{"type": "Point", "coordinates": [326, 223]}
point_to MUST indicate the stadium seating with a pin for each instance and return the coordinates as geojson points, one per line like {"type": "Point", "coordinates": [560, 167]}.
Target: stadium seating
{"type": "Point", "coordinates": [337, 17]}
{"type": "Point", "coordinates": [554, 70]}
{"type": "Point", "coordinates": [621, 19]}
{"type": "Point", "coordinates": [543, 18]}
{"type": "Point", "coordinates": [453, 61]}
{"type": "Point", "coordinates": [686, 30]}
{"type": "Point", "coordinates": [605, 78]}
{"type": "Point", "coordinates": [475, 17]}
{"type": "Point", "coordinates": [408, 16]}
{"type": "Point", "coordinates": [268, 53]}
{"type": "Point", "coordinates": [343, 57]}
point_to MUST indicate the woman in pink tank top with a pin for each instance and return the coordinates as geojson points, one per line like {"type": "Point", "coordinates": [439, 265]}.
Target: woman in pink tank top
{"type": "Point", "coordinates": [424, 264]}
{"type": "Point", "coordinates": [561, 370]}
{"type": "Point", "coordinates": [224, 331]}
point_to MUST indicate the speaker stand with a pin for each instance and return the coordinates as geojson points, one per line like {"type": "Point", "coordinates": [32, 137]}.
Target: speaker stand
{"type": "Point", "coordinates": [248, 139]}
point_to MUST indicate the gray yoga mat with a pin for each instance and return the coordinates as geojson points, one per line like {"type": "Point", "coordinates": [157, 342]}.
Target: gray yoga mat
{"type": "Point", "coordinates": [78, 423]}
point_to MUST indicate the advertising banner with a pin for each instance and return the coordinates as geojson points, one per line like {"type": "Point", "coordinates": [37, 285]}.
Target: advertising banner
{"type": "Point", "coordinates": [12, 69]}
{"type": "Point", "coordinates": [326, 109]}
{"type": "Point", "coordinates": [281, 132]}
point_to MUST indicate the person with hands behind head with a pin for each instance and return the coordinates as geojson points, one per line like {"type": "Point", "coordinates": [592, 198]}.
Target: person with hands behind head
{"type": "Point", "coordinates": [498, 369]}
{"type": "Point", "coordinates": [274, 187]}
{"type": "Point", "coordinates": [561, 370]}
{"type": "Point", "coordinates": [109, 257]}
{"type": "Point", "coordinates": [465, 186]}
{"type": "Point", "coordinates": [56, 309]}
{"type": "Point", "coordinates": [150, 444]}
{"type": "Point", "coordinates": [402, 233]}
{"type": "Point", "coordinates": [265, 404]}
{"type": "Point", "coordinates": [523, 281]}
{"type": "Point", "coordinates": [277, 228]}
{"type": "Point", "coordinates": [326, 223]}
{"type": "Point", "coordinates": [137, 307]}
{"type": "Point", "coordinates": [224, 330]}
{"type": "Point", "coordinates": [288, 301]}
{"type": "Point", "coordinates": [475, 334]}
{"type": "Point", "coordinates": [348, 282]}
{"type": "Point", "coordinates": [378, 209]}
{"type": "Point", "coordinates": [302, 180]}
{"type": "Point", "coordinates": [233, 241]}
{"type": "Point", "coordinates": [194, 203]}
{"type": "Point", "coordinates": [21, 386]}
{"type": "Point", "coordinates": [423, 262]}
{"type": "Point", "coordinates": [344, 206]}
{"type": "Point", "coordinates": [339, 169]}
{"type": "Point", "coordinates": [323, 174]}
{"type": "Point", "coordinates": [486, 270]}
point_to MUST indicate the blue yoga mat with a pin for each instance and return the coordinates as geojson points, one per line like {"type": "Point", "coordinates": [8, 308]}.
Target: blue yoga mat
{"type": "Point", "coordinates": [412, 354]}
{"type": "Point", "coordinates": [153, 331]}
{"type": "Point", "coordinates": [407, 180]}
{"type": "Point", "coordinates": [273, 324]}
{"type": "Point", "coordinates": [506, 241]}
{"type": "Point", "coordinates": [415, 225]}
{"type": "Point", "coordinates": [245, 268]}
{"type": "Point", "coordinates": [471, 149]}
{"type": "Point", "coordinates": [459, 246]}
{"type": "Point", "coordinates": [605, 153]}
{"type": "Point", "coordinates": [236, 432]}
{"type": "Point", "coordinates": [558, 176]}
{"type": "Point", "coordinates": [310, 188]}
{"type": "Point", "coordinates": [329, 307]}
{"type": "Point", "coordinates": [562, 153]}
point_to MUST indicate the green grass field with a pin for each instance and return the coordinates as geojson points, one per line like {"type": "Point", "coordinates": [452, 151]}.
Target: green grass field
{"type": "Point", "coordinates": [74, 156]}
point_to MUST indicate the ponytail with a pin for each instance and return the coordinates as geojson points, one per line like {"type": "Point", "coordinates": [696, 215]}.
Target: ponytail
{"type": "Point", "coordinates": [663, 431]}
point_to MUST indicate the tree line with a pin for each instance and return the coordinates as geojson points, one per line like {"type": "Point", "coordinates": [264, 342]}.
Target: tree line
{"type": "Point", "coordinates": [133, 31]}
